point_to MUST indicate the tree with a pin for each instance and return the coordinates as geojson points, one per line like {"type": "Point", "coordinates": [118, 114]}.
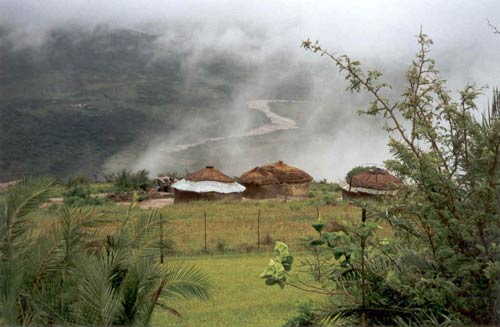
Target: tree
{"type": "Point", "coordinates": [78, 272]}
{"type": "Point", "coordinates": [442, 264]}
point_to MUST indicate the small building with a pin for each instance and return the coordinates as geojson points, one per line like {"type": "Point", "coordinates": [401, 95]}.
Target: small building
{"type": "Point", "coordinates": [163, 184]}
{"type": "Point", "coordinates": [207, 184]}
{"type": "Point", "coordinates": [371, 183]}
{"type": "Point", "coordinates": [293, 181]}
{"type": "Point", "coordinates": [260, 184]}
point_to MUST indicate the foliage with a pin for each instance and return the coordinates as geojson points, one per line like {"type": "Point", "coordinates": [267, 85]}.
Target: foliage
{"type": "Point", "coordinates": [441, 267]}
{"type": "Point", "coordinates": [76, 273]}
{"type": "Point", "coordinates": [278, 266]}
{"type": "Point", "coordinates": [306, 316]}
{"type": "Point", "coordinates": [77, 180]}
{"type": "Point", "coordinates": [78, 193]}
{"type": "Point", "coordinates": [130, 181]}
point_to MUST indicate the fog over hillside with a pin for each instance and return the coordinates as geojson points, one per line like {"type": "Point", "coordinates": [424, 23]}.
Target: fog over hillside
{"type": "Point", "coordinates": [157, 74]}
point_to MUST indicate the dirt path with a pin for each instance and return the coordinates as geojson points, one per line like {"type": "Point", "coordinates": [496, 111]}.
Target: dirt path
{"type": "Point", "coordinates": [277, 123]}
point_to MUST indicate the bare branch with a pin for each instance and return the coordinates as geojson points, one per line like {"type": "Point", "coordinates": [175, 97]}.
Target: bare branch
{"type": "Point", "coordinates": [493, 27]}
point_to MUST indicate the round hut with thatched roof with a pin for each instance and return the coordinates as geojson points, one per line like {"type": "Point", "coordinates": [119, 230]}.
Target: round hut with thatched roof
{"type": "Point", "coordinates": [371, 182]}
{"type": "Point", "coordinates": [293, 181]}
{"type": "Point", "coordinates": [260, 184]}
{"type": "Point", "coordinates": [207, 184]}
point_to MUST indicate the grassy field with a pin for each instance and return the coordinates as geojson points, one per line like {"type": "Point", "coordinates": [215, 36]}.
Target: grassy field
{"type": "Point", "coordinates": [238, 295]}
{"type": "Point", "coordinates": [234, 227]}
{"type": "Point", "coordinates": [233, 260]}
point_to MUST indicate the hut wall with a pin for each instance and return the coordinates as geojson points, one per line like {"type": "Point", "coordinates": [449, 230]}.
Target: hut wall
{"type": "Point", "coordinates": [295, 189]}
{"type": "Point", "coordinates": [185, 196]}
{"type": "Point", "coordinates": [260, 191]}
{"type": "Point", "coordinates": [346, 195]}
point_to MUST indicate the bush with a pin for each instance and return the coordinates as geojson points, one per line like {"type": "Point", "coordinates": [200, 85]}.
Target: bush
{"type": "Point", "coordinates": [442, 264]}
{"type": "Point", "coordinates": [78, 193]}
{"type": "Point", "coordinates": [306, 316]}
{"type": "Point", "coordinates": [69, 275]}
{"type": "Point", "coordinates": [129, 181]}
{"type": "Point", "coordinates": [77, 180]}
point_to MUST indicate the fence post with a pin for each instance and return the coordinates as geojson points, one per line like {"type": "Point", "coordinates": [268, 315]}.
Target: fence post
{"type": "Point", "coordinates": [258, 230]}
{"type": "Point", "coordinates": [161, 238]}
{"type": "Point", "coordinates": [205, 231]}
{"type": "Point", "coordinates": [363, 295]}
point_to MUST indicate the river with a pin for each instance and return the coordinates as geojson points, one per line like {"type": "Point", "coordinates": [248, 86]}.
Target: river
{"type": "Point", "coordinates": [277, 123]}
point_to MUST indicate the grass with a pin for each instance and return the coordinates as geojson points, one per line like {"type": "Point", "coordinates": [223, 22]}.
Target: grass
{"type": "Point", "coordinates": [232, 227]}
{"type": "Point", "coordinates": [240, 297]}
{"type": "Point", "coordinates": [233, 262]}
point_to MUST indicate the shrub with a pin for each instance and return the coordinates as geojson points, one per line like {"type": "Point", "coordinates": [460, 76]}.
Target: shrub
{"type": "Point", "coordinates": [129, 181]}
{"type": "Point", "coordinates": [441, 267]}
{"type": "Point", "coordinates": [78, 193]}
{"type": "Point", "coordinates": [71, 275]}
{"type": "Point", "coordinates": [306, 316]}
{"type": "Point", "coordinates": [77, 180]}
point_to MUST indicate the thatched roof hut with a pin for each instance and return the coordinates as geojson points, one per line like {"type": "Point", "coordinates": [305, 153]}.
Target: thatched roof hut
{"type": "Point", "coordinates": [373, 182]}
{"type": "Point", "coordinates": [293, 181]}
{"type": "Point", "coordinates": [207, 184]}
{"type": "Point", "coordinates": [287, 174]}
{"type": "Point", "coordinates": [260, 184]}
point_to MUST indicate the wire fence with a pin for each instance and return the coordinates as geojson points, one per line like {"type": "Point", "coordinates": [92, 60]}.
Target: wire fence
{"type": "Point", "coordinates": [206, 234]}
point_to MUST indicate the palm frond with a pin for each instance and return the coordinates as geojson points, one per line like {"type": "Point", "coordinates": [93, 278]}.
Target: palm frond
{"type": "Point", "coordinates": [20, 200]}
{"type": "Point", "coordinates": [186, 282]}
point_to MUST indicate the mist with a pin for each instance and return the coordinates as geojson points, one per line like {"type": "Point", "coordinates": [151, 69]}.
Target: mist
{"type": "Point", "coordinates": [262, 40]}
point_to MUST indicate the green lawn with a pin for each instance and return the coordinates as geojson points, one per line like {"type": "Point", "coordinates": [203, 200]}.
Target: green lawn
{"type": "Point", "coordinates": [240, 297]}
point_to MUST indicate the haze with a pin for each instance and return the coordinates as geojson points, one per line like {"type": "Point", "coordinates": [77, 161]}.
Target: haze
{"type": "Point", "coordinates": [267, 35]}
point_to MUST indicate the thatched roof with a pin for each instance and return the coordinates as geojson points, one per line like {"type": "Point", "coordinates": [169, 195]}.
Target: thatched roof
{"type": "Point", "coordinates": [375, 178]}
{"type": "Point", "coordinates": [287, 174]}
{"type": "Point", "coordinates": [209, 174]}
{"type": "Point", "coordinates": [259, 176]}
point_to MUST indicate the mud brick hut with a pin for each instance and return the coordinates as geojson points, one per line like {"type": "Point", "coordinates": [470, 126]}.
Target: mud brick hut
{"type": "Point", "coordinates": [293, 181]}
{"type": "Point", "coordinates": [207, 184]}
{"type": "Point", "coordinates": [260, 184]}
{"type": "Point", "coordinates": [372, 183]}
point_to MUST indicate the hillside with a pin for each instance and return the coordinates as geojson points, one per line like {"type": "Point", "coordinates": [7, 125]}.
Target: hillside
{"type": "Point", "coordinates": [85, 95]}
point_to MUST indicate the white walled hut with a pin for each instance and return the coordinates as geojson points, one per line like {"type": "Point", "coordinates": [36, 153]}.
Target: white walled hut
{"type": "Point", "coordinates": [373, 183]}
{"type": "Point", "coordinates": [207, 184]}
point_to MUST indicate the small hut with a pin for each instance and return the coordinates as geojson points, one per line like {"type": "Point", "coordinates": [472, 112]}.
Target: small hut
{"type": "Point", "coordinates": [293, 181]}
{"type": "Point", "coordinates": [371, 183]}
{"type": "Point", "coordinates": [207, 184]}
{"type": "Point", "coordinates": [260, 184]}
{"type": "Point", "coordinates": [163, 184]}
